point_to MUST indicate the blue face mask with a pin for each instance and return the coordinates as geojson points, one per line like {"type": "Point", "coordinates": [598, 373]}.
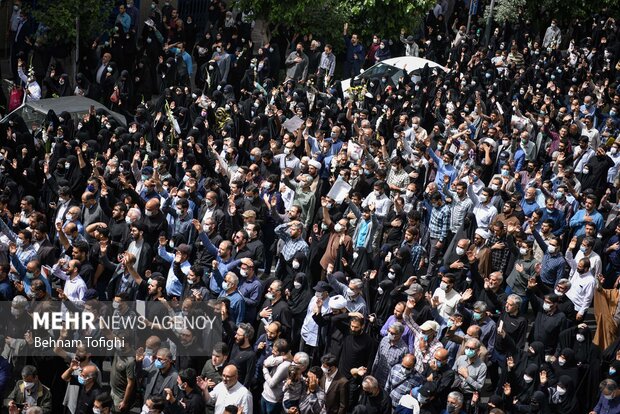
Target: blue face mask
{"type": "Point", "coordinates": [474, 178]}
{"type": "Point", "coordinates": [477, 316]}
{"type": "Point", "coordinates": [81, 380]}
{"type": "Point", "coordinates": [90, 188]}
{"type": "Point", "coordinates": [612, 371]}
{"type": "Point", "coordinates": [158, 364]}
{"type": "Point", "coordinates": [425, 337]}
{"type": "Point", "coordinates": [583, 249]}
{"type": "Point", "coordinates": [559, 195]}
{"type": "Point", "coordinates": [470, 353]}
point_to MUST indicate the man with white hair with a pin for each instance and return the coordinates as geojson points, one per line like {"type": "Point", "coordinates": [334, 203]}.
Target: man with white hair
{"type": "Point", "coordinates": [133, 215]}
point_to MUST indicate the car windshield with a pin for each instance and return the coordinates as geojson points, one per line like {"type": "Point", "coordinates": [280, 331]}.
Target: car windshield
{"type": "Point", "coordinates": [32, 118]}
{"type": "Point", "coordinates": [380, 70]}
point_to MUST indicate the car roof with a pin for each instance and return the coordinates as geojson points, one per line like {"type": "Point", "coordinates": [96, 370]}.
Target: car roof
{"type": "Point", "coordinates": [71, 104]}
{"type": "Point", "coordinates": [412, 63]}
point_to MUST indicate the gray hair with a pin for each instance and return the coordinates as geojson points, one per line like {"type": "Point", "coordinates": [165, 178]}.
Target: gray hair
{"type": "Point", "coordinates": [357, 283]}
{"type": "Point", "coordinates": [136, 212]}
{"type": "Point", "coordinates": [608, 385]}
{"type": "Point", "coordinates": [167, 353]}
{"type": "Point", "coordinates": [398, 327]}
{"type": "Point", "coordinates": [233, 278]}
{"type": "Point", "coordinates": [481, 306]}
{"type": "Point", "coordinates": [565, 282]}
{"type": "Point", "coordinates": [371, 382]}
{"type": "Point", "coordinates": [457, 396]}
{"type": "Point", "coordinates": [516, 299]}
{"type": "Point", "coordinates": [19, 302]}
{"type": "Point", "coordinates": [475, 342]}
{"type": "Point", "coordinates": [416, 288]}
{"type": "Point", "coordinates": [303, 359]}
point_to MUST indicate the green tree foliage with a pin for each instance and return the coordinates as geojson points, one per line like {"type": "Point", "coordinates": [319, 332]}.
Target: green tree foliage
{"type": "Point", "coordinates": [59, 17]}
{"type": "Point", "coordinates": [325, 18]}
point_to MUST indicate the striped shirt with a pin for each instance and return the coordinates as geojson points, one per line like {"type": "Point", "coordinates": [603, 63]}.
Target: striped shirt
{"type": "Point", "coordinates": [328, 63]}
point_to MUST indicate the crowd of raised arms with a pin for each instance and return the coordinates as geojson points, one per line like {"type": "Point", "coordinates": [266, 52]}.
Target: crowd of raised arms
{"type": "Point", "coordinates": [443, 241]}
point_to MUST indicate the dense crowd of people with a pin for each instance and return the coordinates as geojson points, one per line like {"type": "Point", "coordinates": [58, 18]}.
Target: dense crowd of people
{"type": "Point", "coordinates": [445, 241]}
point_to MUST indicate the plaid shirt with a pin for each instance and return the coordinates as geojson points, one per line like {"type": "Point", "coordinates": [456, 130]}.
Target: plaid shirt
{"type": "Point", "coordinates": [400, 383]}
{"type": "Point", "coordinates": [418, 252]}
{"type": "Point", "coordinates": [422, 357]}
{"type": "Point", "coordinates": [291, 246]}
{"type": "Point", "coordinates": [439, 223]}
{"type": "Point", "coordinates": [387, 356]}
{"type": "Point", "coordinates": [499, 257]}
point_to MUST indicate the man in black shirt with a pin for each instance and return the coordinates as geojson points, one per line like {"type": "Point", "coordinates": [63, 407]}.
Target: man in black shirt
{"type": "Point", "coordinates": [242, 355]}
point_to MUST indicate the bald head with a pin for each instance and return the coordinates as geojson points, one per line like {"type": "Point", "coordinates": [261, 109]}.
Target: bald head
{"type": "Point", "coordinates": [474, 331]}
{"type": "Point", "coordinates": [230, 376]}
{"type": "Point", "coordinates": [441, 353]}
{"type": "Point", "coordinates": [408, 361]}
{"type": "Point", "coordinates": [153, 203]}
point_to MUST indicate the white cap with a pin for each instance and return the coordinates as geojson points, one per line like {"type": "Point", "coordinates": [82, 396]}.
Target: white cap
{"type": "Point", "coordinates": [337, 302]}
{"type": "Point", "coordinates": [430, 326]}
{"type": "Point", "coordinates": [315, 164]}
{"type": "Point", "coordinates": [483, 233]}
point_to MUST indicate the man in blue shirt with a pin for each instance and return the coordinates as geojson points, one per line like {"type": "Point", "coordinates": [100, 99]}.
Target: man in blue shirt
{"type": "Point", "coordinates": [31, 271]}
{"type": "Point", "coordinates": [179, 50]}
{"type": "Point", "coordinates": [223, 257]}
{"type": "Point", "coordinates": [587, 215]}
{"type": "Point", "coordinates": [229, 291]}
{"type": "Point", "coordinates": [179, 268]}
{"type": "Point", "coordinates": [444, 167]}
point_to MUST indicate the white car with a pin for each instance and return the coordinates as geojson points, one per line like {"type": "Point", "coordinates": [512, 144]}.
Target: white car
{"type": "Point", "coordinates": [394, 68]}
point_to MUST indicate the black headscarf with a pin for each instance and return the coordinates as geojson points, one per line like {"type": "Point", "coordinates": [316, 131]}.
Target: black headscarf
{"type": "Point", "coordinates": [567, 403]}
{"type": "Point", "coordinates": [382, 305]}
{"type": "Point", "coordinates": [362, 262]}
{"type": "Point", "coordinates": [569, 369]}
{"type": "Point", "coordinates": [300, 298]}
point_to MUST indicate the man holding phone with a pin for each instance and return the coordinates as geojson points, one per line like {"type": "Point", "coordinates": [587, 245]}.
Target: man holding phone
{"type": "Point", "coordinates": [29, 392]}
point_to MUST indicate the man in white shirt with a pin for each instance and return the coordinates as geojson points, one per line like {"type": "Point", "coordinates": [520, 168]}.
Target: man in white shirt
{"type": "Point", "coordinates": [75, 287]}
{"type": "Point", "coordinates": [379, 199]}
{"type": "Point", "coordinates": [586, 252]}
{"type": "Point", "coordinates": [228, 392]}
{"type": "Point", "coordinates": [309, 329]}
{"type": "Point", "coordinates": [582, 287]}
{"type": "Point", "coordinates": [445, 298]}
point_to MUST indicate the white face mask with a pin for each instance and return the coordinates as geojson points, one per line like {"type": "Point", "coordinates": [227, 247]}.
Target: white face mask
{"type": "Point", "coordinates": [295, 265]}
{"type": "Point", "coordinates": [460, 251]}
{"type": "Point", "coordinates": [580, 338]}
{"type": "Point", "coordinates": [482, 198]}
{"type": "Point", "coordinates": [551, 249]}
{"type": "Point", "coordinates": [546, 307]}
{"type": "Point", "coordinates": [380, 290]}
{"type": "Point", "coordinates": [523, 251]}
{"type": "Point", "coordinates": [527, 379]}
{"type": "Point", "coordinates": [297, 285]}
{"type": "Point", "coordinates": [443, 286]}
